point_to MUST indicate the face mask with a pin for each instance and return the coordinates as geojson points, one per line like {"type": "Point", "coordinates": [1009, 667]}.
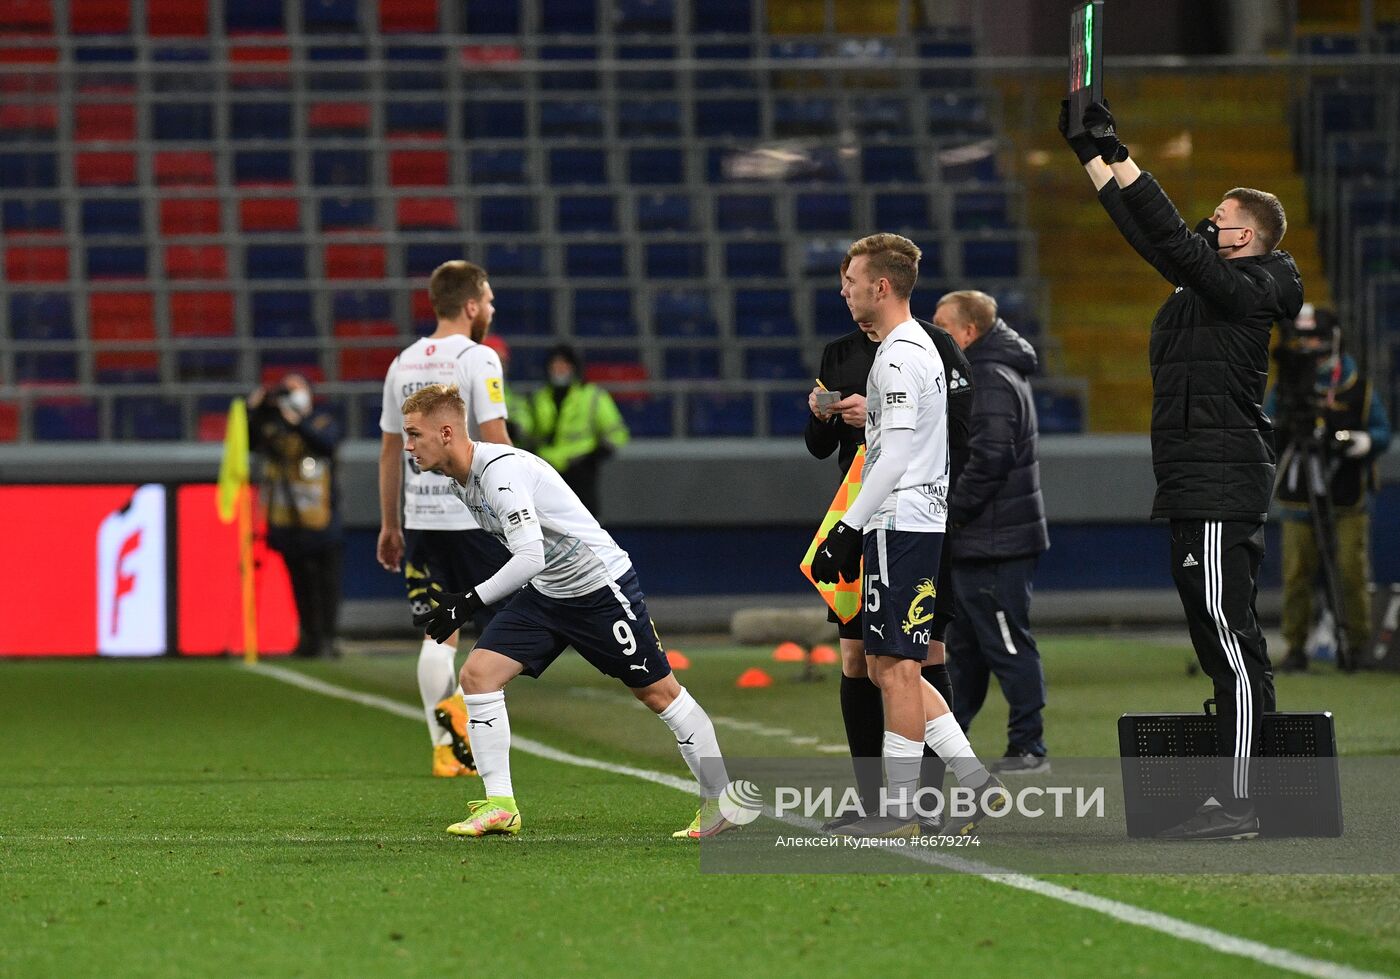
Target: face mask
{"type": "Point", "coordinates": [299, 399]}
{"type": "Point", "coordinates": [562, 380]}
{"type": "Point", "coordinates": [1210, 231]}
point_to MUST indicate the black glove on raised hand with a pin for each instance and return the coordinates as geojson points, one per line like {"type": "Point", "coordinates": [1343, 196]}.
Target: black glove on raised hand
{"type": "Point", "coordinates": [1098, 121]}
{"type": "Point", "coordinates": [450, 610]}
{"type": "Point", "coordinates": [1083, 144]}
{"type": "Point", "coordinates": [839, 554]}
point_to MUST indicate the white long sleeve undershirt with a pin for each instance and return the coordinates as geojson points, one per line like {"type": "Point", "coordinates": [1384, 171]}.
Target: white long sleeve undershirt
{"type": "Point", "coordinates": [523, 565]}
{"type": "Point", "coordinates": [881, 479]}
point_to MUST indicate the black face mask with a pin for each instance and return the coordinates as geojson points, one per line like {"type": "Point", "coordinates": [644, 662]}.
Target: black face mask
{"type": "Point", "coordinates": [1210, 231]}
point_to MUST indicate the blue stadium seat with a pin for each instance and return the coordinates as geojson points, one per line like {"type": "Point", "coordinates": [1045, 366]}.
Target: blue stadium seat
{"type": "Point", "coordinates": [720, 416]}
{"type": "Point", "coordinates": [787, 413]}
{"type": "Point", "coordinates": [725, 79]}
{"type": "Point", "coordinates": [955, 114]}
{"type": "Point", "coordinates": [505, 213]}
{"type": "Point", "coordinates": [367, 409]}
{"type": "Point", "coordinates": [347, 78]}
{"type": "Point", "coordinates": [903, 211]}
{"type": "Point", "coordinates": [722, 16]}
{"type": "Point", "coordinates": [581, 118]}
{"type": "Point", "coordinates": [262, 167]}
{"type": "Point", "coordinates": [664, 212]}
{"type": "Point", "coordinates": [419, 259]}
{"type": "Point", "coordinates": [982, 169]}
{"type": "Point", "coordinates": [568, 166]}
{"type": "Point", "coordinates": [822, 257]}
{"type": "Point", "coordinates": [416, 68]}
{"type": "Point", "coordinates": [410, 118]}
{"type": "Point", "coordinates": [648, 417]}
{"type": "Point", "coordinates": [882, 117]}
{"type": "Point", "coordinates": [981, 209]}
{"type": "Point", "coordinates": [330, 16]}
{"type": "Point", "coordinates": [283, 314]}
{"type": "Point", "coordinates": [737, 118]}
{"type": "Point", "coordinates": [651, 165]}
{"type": "Point", "coordinates": [775, 364]}
{"type": "Point", "coordinates": [683, 313]}
{"type": "Point", "coordinates": [254, 17]}
{"type": "Point", "coordinates": [49, 367]}
{"type": "Point", "coordinates": [675, 260]}
{"type": "Point", "coordinates": [496, 167]}
{"type": "Point", "coordinates": [182, 82]}
{"type": "Point", "coordinates": [103, 216]}
{"type": "Point", "coordinates": [586, 212]}
{"type": "Point", "coordinates": [568, 16]}
{"type": "Point", "coordinates": [823, 212]}
{"type": "Point", "coordinates": [274, 262]}
{"type": "Point", "coordinates": [805, 116]}
{"type": "Point", "coordinates": [341, 168]}
{"type": "Point", "coordinates": [280, 361]}
{"type": "Point", "coordinates": [991, 258]}
{"type": "Point", "coordinates": [754, 259]}
{"type": "Point", "coordinates": [141, 418]}
{"type": "Point", "coordinates": [764, 313]}
{"type": "Point", "coordinates": [361, 305]}
{"type": "Point", "coordinates": [486, 119]}
{"type": "Point", "coordinates": [525, 312]}
{"type": "Point", "coordinates": [881, 164]}
{"type": "Point", "coordinates": [607, 260]}
{"type": "Point", "coordinates": [347, 213]}
{"type": "Point", "coordinates": [29, 216]}
{"type": "Point", "coordinates": [941, 54]}
{"type": "Point", "coordinates": [644, 16]}
{"type": "Point", "coordinates": [830, 314]}
{"type": "Point", "coordinates": [745, 212]}
{"type": "Point", "coordinates": [688, 363]}
{"type": "Point", "coordinates": [1329, 44]}
{"type": "Point", "coordinates": [555, 80]}
{"type": "Point", "coordinates": [260, 120]}
{"type": "Point", "coordinates": [639, 119]}
{"type": "Point", "coordinates": [515, 259]}
{"type": "Point", "coordinates": [28, 171]}
{"type": "Point", "coordinates": [496, 17]}
{"type": "Point", "coordinates": [1058, 414]}
{"type": "Point", "coordinates": [649, 79]}
{"type": "Point", "coordinates": [207, 364]}
{"type": "Point", "coordinates": [1351, 110]}
{"type": "Point", "coordinates": [64, 420]}
{"type": "Point", "coordinates": [182, 121]}
{"type": "Point", "coordinates": [604, 313]}
{"type": "Point", "coordinates": [41, 316]}
{"type": "Point", "coordinates": [116, 262]}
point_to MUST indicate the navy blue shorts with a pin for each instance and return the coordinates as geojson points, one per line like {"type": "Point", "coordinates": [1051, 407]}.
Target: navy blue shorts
{"type": "Point", "coordinates": [901, 575]}
{"type": "Point", "coordinates": [454, 560]}
{"type": "Point", "coordinates": [610, 628]}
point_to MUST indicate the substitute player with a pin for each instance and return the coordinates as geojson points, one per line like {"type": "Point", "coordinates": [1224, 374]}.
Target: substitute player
{"type": "Point", "coordinates": [898, 521]}
{"type": "Point", "coordinates": [567, 583]}
{"type": "Point", "coordinates": [443, 544]}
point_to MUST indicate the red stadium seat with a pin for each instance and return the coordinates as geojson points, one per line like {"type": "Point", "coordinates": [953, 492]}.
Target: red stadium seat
{"type": "Point", "coordinates": [201, 314]}
{"type": "Point", "coordinates": [26, 17]}
{"type": "Point", "coordinates": [408, 16]}
{"type": "Point", "coordinates": [366, 328]}
{"type": "Point", "coordinates": [366, 363]}
{"type": "Point", "coordinates": [121, 316]}
{"type": "Point", "coordinates": [196, 262]}
{"type": "Point", "coordinates": [104, 122]}
{"type": "Point", "coordinates": [106, 169]}
{"type": "Point", "coordinates": [20, 82]}
{"type": "Point", "coordinates": [272, 373]}
{"type": "Point", "coordinates": [29, 119]}
{"type": "Point", "coordinates": [269, 214]}
{"type": "Point", "coordinates": [46, 264]}
{"type": "Point", "coordinates": [427, 214]}
{"type": "Point", "coordinates": [185, 168]}
{"type": "Point", "coordinates": [126, 366]}
{"type": "Point", "coordinates": [608, 374]}
{"type": "Point", "coordinates": [190, 216]}
{"type": "Point", "coordinates": [418, 168]}
{"type": "Point", "coordinates": [422, 307]}
{"type": "Point", "coordinates": [9, 421]}
{"type": "Point", "coordinates": [355, 261]}
{"type": "Point", "coordinates": [100, 16]}
{"type": "Point", "coordinates": [338, 118]}
{"type": "Point", "coordinates": [265, 67]}
{"type": "Point", "coordinates": [177, 18]}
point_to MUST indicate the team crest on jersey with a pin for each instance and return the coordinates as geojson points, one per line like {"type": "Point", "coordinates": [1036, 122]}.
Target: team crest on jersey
{"type": "Point", "coordinates": [924, 591]}
{"type": "Point", "coordinates": [429, 352]}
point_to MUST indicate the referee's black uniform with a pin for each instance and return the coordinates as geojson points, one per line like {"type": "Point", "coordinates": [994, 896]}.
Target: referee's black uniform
{"type": "Point", "coordinates": [1212, 448]}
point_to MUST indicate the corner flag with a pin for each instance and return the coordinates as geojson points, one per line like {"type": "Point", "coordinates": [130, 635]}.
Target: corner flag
{"type": "Point", "coordinates": [844, 597]}
{"type": "Point", "coordinates": [233, 470]}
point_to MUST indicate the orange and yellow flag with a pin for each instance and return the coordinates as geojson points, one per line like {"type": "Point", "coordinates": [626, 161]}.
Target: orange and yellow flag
{"type": "Point", "coordinates": [844, 596]}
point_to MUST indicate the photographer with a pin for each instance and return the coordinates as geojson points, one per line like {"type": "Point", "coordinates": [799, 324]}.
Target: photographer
{"type": "Point", "coordinates": [298, 444]}
{"type": "Point", "coordinates": [1324, 410]}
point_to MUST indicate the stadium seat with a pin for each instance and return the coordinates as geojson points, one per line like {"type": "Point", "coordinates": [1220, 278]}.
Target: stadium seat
{"type": "Point", "coordinates": [337, 119]}
{"type": "Point", "coordinates": [804, 117]}
{"type": "Point", "coordinates": [183, 122]}
{"type": "Point", "coordinates": [683, 313]}
{"type": "Point", "coordinates": [117, 367]}
{"type": "Point", "coordinates": [903, 211]}
{"type": "Point", "coordinates": [728, 79]}
{"type": "Point", "coordinates": [763, 313]}
{"type": "Point", "coordinates": [823, 212]}
{"type": "Point", "coordinates": [691, 363]}
{"type": "Point", "coordinates": [9, 421]}
{"type": "Point", "coordinates": [361, 261]}
{"type": "Point", "coordinates": [180, 81]}
{"type": "Point", "coordinates": [720, 416]}
{"type": "Point", "coordinates": [184, 168]}
{"type": "Point", "coordinates": [32, 217]}
{"type": "Point", "coordinates": [269, 214]}
{"type": "Point", "coordinates": [109, 122]}
{"type": "Point", "coordinates": [568, 16]}
{"type": "Point", "coordinates": [419, 168]}
{"type": "Point", "coordinates": [207, 364]}
{"type": "Point", "coordinates": [651, 165]}
{"type": "Point", "coordinates": [275, 364]}
{"type": "Point", "coordinates": [254, 17]}
{"type": "Point", "coordinates": [787, 413]}
{"type": "Point", "coordinates": [822, 257]}
{"type": "Point", "coordinates": [496, 167]}
{"type": "Point", "coordinates": [736, 118]}
{"type": "Point", "coordinates": [991, 258]}
{"type": "Point", "coordinates": [581, 119]}
{"type": "Point", "coordinates": [722, 17]}
{"type": "Point", "coordinates": [577, 166]}
{"type": "Point", "coordinates": [346, 74]}
{"type": "Point", "coordinates": [99, 16]}
{"type": "Point", "coordinates": [201, 262]}
{"type": "Point", "coordinates": [32, 17]}
{"type": "Point", "coordinates": [660, 118]}
{"type": "Point", "coordinates": [262, 168]}
{"type": "Point", "coordinates": [103, 169]}
{"type": "Point", "coordinates": [981, 209]}
{"type": "Point", "coordinates": [961, 115]}
{"type": "Point", "coordinates": [498, 17]}
{"type": "Point", "coordinates": [515, 258]}
{"type": "Point", "coordinates": [528, 312]}
{"type": "Point", "coordinates": [181, 216]}
{"type": "Point", "coordinates": [831, 316]}
{"type": "Point", "coordinates": [648, 416]}
{"type": "Point", "coordinates": [556, 80]}
{"type": "Point", "coordinates": [427, 214]}
{"type": "Point", "coordinates": [176, 18]}
{"type": "Point", "coordinates": [595, 259]}
{"type": "Point", "coordinates": [340, 168]}
{"type": "Point", "coordinates": [259, 120]}
{"type": "Point", "coordinates": [41, 316]}
{"type": "Point", "coordinates": [121, 316]}
{"type": "Point", "coordinates": [879, 117]}
{"type": "Point", "coordinates": [604, 313]}
{"type": "Point", "coordinates": [417, 68]}
{"type": "Point", "coordinates": [116, 262]}
{"type": "Point", "coordinates": [675, 260]}
{"type": "Point", "coordinates": [347, 214]}
{"type": "Point", "coordinates": [745, 212]}
{"type": "Point", "coordinates": [1058, 414]}
{"type": "Point", "coordinates": [101, 69]}
{"type": "Point", "coordinates": [282, 314]}
{"type": "Point", "coordinates": [45, 367]}
{"type": "Point", "coordinates": [774, 364]}
{"type": "Point", "coordinates": [361, 307]}
{"type": "Point", "coordinates": [506, 214]}
{"type": "Point", "coordinates": [494, 120]}
{"type": "Point", "coordinates": [415, 120]}
{"type": "Point", "coordinates": [644, 16]}
{"type": "Point", "coordinates": [64, 420]}
{"type": "Point", "coordinates": [421, 259]}
{"type": "Point", "coordinates": [942, 54]}
{"type": "Point", "coordinates": [367, 363]}
{"type": "Point", "coordinates": [884, 164]}
{"type": "Point", "coordinates": [274, 262]}
{"type": "Point", "coordinates": [28, 121]}
{"type": "Point", "coordinates": [754, 259]}
{"type": "Point", "coordinates": [408, 16]}
{"type": "Point", "coordinates": [663, 212]}
{"type": "Point", "coordinates": [36, 264]}
{"type": "Point", "coordinates": [982, 169]}
{"type": "Point", "coordinates": [593, 212]}
{"type": "Point", "coordinates": [201, 314]}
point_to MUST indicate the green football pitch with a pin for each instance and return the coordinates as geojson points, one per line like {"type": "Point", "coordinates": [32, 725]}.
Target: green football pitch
{"type": "Point", "coordinates": [196, 818]}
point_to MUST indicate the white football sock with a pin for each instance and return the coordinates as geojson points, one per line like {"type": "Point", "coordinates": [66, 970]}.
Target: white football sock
{"type": "Point", "coordinates": [695, 737]}
{"type": "Point", "coordinates": [948, 742]}
{"type": "Point", "coordinates": [489, 728]}
{"type": "Point", "coordinates": [903, 761]}
{"type": "Point", "coordinates": [437, 679]}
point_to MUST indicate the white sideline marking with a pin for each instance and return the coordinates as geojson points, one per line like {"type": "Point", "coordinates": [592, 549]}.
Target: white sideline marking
{"type": "Point", "coordinates": [1277, 958]}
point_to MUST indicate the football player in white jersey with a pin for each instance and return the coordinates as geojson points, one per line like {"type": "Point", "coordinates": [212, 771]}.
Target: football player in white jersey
{"type": "Point", "coordinates": [897, 524]}
{"type": "Point", "coordinates": [442, 543]}
{"type": "Point", "coordinates": [567, 584]}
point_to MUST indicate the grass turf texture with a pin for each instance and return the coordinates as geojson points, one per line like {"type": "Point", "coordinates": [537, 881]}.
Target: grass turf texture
{"type": "Point", "coordinates": [193, 819]}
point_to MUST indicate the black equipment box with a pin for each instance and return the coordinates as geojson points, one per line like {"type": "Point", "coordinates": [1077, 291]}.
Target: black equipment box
{"type": "Point", "coordinates": [1170, 766]}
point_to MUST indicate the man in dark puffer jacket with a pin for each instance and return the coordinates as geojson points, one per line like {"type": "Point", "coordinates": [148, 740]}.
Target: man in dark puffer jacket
{"type": "Point", "coordinates": [999, 518]}
{"type": "Point", "coordinates": [1212, 444]}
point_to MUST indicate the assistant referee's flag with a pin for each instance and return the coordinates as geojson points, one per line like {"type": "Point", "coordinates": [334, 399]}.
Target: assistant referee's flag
{"type": "Point", "coordinates": [844, 597]}
{"type": "Point", "coordinates": [233, 470]}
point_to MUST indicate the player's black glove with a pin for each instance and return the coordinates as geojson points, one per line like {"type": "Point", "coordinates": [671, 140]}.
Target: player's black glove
{"type": "Point", "coordinates": [1083, 144]}
{"type": "Point", "coordinates": [450, 610]}
{"type": "Point", "coordinates": [1098, 121]}
{"type": "Point", "coordinates": [839, 554]}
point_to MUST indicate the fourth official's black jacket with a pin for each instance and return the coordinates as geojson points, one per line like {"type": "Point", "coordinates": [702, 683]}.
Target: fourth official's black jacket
{"type": "Point", "coordinates": [1212, 444]}
{"type": "Point", "coordinates": [846, 365]}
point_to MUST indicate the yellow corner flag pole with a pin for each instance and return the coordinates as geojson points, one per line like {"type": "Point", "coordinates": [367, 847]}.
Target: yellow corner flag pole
{"type": "Point", "coordinates": [235, 499]}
